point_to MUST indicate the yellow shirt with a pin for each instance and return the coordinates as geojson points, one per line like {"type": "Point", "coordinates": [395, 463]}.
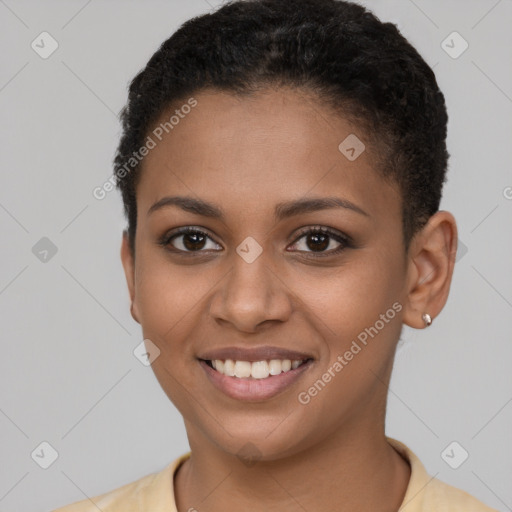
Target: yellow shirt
{"type": "Point", "coordinates": [155, 492]}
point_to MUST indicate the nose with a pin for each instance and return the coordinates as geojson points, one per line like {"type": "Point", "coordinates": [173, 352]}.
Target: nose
{"type": "Point", "coordinates": [251, 294]}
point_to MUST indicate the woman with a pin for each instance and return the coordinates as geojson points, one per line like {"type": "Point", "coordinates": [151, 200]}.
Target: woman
{"type": "Point", "coordinates": [281, 168]}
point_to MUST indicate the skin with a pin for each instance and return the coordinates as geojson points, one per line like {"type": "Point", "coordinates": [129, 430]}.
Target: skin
{"type": "Point", "coordinates": [246, 155]}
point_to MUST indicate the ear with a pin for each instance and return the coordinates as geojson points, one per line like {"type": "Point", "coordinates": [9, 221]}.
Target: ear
{"type": "Point", "coordinates": [431, 262]}
{"type": "Point", "coordinates": [127, 259]}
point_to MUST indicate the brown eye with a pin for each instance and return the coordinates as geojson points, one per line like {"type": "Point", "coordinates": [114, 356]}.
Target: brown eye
{"type": "Point", "coordinates": [319, 239]}
{"type": "Point", "coordinates": [192, 241]}
{"type": "Point", "coordinates": [188, 240]}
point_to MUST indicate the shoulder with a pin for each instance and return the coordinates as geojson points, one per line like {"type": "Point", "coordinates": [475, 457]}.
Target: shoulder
{"type": "Point", "coordinates": [153, 492]}
{"type": "Point", "coordinates": [428, 494]}
{"type": "Point", "coordinates": [443, 497]}
{"type": "Point", "coordinates": [123, 498]}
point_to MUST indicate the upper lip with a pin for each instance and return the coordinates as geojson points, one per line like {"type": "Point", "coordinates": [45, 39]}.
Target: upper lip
{"type": "Point", "coordinates": [265, 353]}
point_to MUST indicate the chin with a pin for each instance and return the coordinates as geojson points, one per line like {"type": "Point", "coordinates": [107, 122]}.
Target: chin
{"type": "Point", "coordinates": [251, 441]}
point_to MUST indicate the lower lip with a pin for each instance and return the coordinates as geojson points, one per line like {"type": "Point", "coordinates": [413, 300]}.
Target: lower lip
{"type": "Point", "coordinates": [254, 390]}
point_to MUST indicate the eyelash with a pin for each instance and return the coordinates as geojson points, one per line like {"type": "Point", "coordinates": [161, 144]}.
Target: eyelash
{"type": "Point", "coordinates": [345, 241]}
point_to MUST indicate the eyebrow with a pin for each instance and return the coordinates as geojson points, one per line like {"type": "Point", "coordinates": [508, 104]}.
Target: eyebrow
{"type": "Point", "coordinates": [282, 210]}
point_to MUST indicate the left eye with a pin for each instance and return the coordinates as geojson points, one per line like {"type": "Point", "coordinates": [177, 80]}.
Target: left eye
{"type": "Point", "coordinates": [318, 240]}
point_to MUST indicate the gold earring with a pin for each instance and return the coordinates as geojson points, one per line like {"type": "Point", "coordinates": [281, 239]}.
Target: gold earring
{"type": "Point", "coordinates": [427, 319]}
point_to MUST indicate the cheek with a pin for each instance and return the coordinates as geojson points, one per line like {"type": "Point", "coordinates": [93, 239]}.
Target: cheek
{"type": "Point", "coordinates": [352, 295]}
{"type": "Point", "coordinates": [168, 299]}
{"type": "Point", "coordinates": [360, 302]}
{"type": "Point", "coordinates": [358, 309]}
{"type": "Point", "coordinates": [168, 302]}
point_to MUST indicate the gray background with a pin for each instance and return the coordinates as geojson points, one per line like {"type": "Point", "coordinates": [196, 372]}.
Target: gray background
{"type": "Point", "coordinates": [68, 375]}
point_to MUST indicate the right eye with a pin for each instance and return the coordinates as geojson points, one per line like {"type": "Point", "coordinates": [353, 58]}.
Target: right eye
{"type": "Point", "coordinates": [192, 240]}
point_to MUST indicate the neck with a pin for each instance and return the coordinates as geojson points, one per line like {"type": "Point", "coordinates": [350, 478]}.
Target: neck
{"type": "Point", "coordinates": [353, 470]}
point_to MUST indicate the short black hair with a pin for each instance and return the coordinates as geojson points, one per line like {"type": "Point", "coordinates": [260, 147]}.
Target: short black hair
{"type": "Point", "coordinates": [339, 51]}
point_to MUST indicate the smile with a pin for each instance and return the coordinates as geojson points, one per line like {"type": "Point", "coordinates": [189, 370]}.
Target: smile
{"type": "Point", "coordinates": [254, 381]}
{"type": "Point", "coordinates": [256, 369]}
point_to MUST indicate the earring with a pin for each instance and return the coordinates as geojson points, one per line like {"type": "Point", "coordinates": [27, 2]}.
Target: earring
{"type": "Point", "coordinates": [427, 319]}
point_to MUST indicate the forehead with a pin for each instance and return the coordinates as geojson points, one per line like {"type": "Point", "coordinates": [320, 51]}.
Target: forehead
{"type": "Point", "coordinates": [254, 151]}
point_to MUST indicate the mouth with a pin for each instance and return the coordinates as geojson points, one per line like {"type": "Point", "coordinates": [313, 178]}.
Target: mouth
{"type": "Point", "coordinates": [255, 369]}
{"type": "Point", "coordinates": [256, 380]}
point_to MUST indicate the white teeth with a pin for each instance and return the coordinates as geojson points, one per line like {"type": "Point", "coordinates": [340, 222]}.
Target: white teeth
{"type": "Point", "coordinates": [243, 369]}
{"type": "Point", "coordinates": [256, 369]}
{"type": "Point", "coordinates": [275, 367]}
{"type": "Point", "coordinates": [286, 365]}
{"type": "Point", "coordinates": [229, 368]}
{"type": "Point", "coordinates": [219, 365]}
{"type": "Point", "coordinates": [260, 370]}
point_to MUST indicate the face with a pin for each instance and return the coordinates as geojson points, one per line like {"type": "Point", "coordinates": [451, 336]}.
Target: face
{"type": "Point", "coordinates": [267, 274]}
